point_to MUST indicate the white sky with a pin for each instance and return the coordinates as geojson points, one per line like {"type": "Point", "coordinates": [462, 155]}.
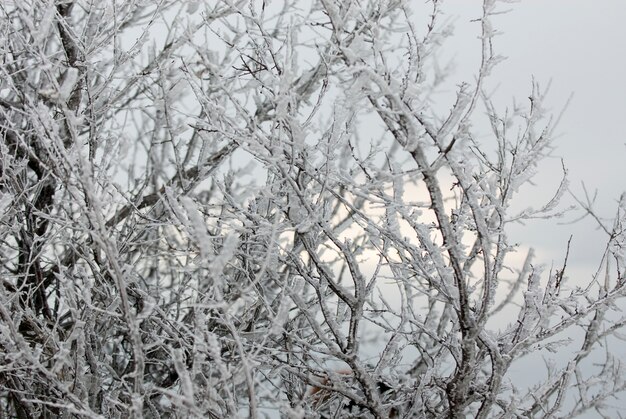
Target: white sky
{"type": "Point", "coordinates": [578, 46]}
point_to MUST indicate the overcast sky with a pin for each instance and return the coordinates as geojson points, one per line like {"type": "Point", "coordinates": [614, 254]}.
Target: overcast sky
{"type": "Point", "coordinates": [579, 47]}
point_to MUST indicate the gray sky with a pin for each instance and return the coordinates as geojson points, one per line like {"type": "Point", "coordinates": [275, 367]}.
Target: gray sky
{"type": "Point", "coordinates": [578, 47]}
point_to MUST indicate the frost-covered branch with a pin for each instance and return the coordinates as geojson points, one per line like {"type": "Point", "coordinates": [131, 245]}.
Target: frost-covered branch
{"type": "Point", "coordinates": [259, 209]}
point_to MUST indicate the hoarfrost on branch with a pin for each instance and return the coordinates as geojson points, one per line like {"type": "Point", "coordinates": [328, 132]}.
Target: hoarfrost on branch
{"type": "Point", "coordinates": [258, 209]}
